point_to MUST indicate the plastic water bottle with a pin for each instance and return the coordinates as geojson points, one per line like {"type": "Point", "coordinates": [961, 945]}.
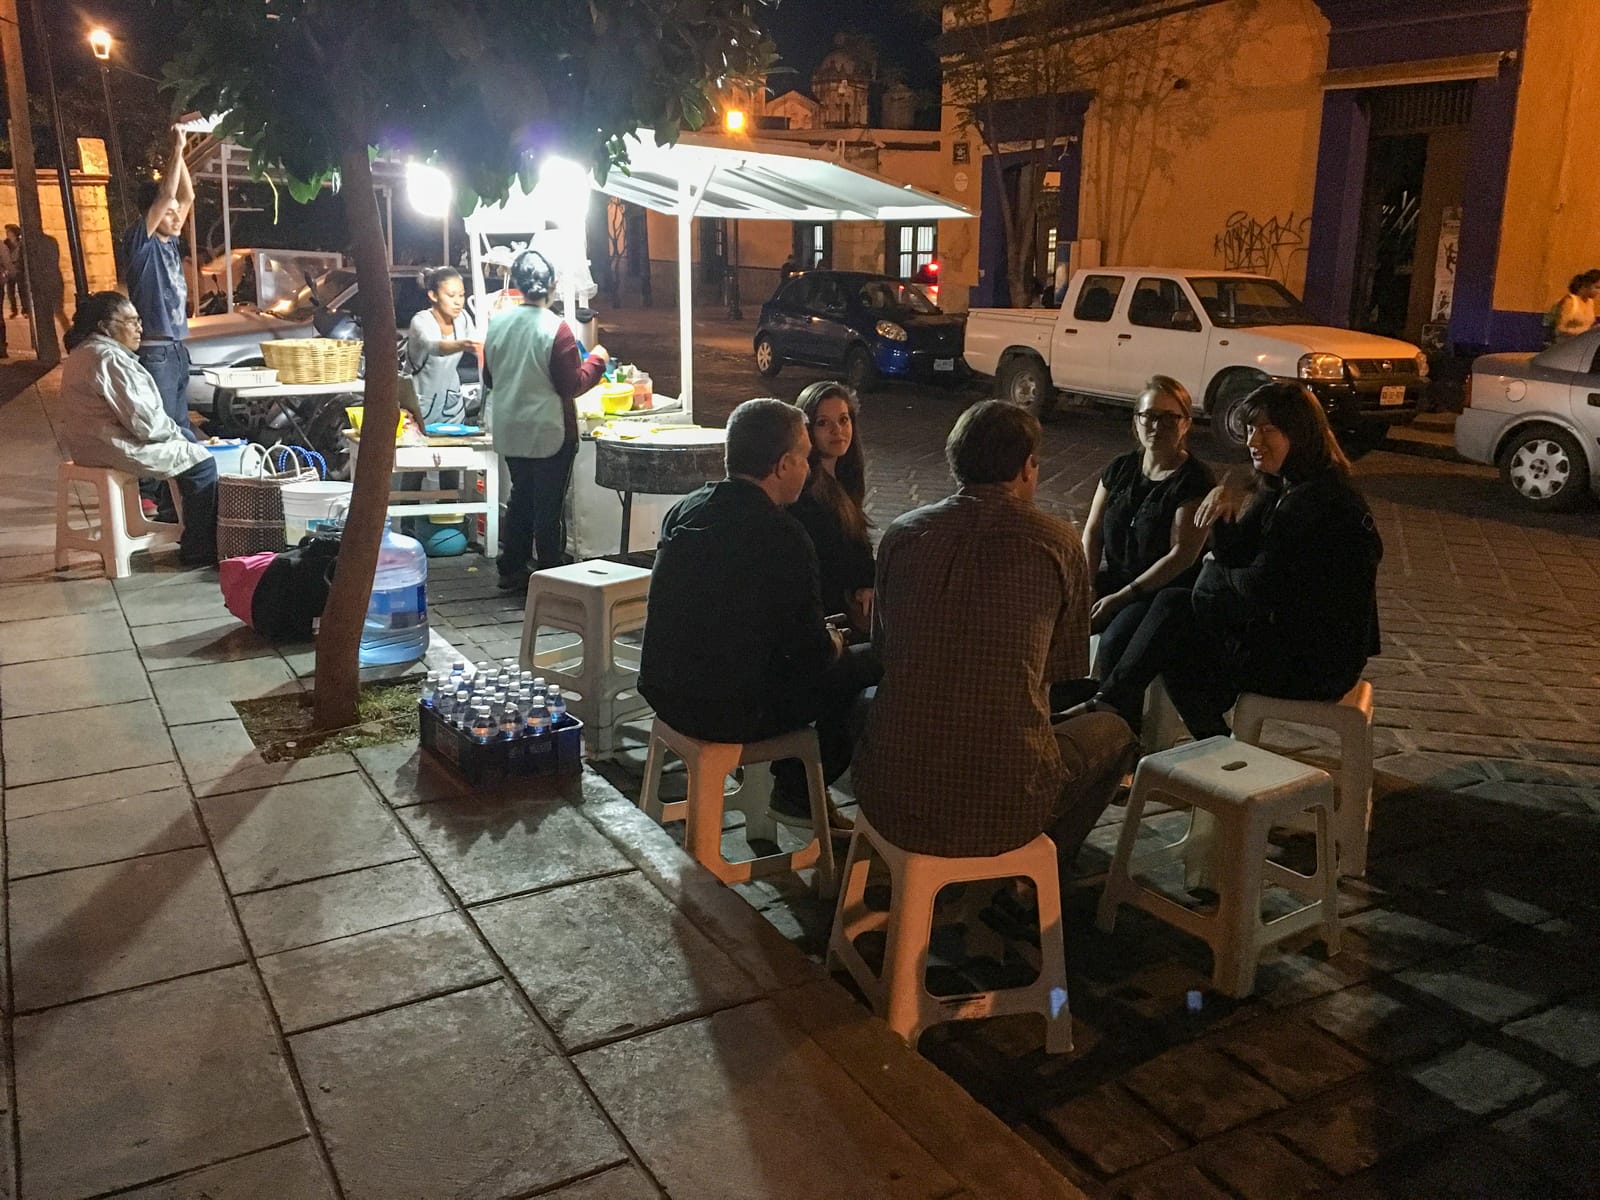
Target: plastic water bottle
{"type": "Point", "coordinates": [457, 670]}
{"type": "Point", "coordinates": [557, 705]}
{"type": "Point", "coordinates": [538, 718]}
{"type": "Point", "coordinates": [445, 706]}
{"type": "Point", "coordinates": [430, 689]}
{"type": "Point", "coordinates": [396, 629]}
{"type": "Point", "coordinates": [483, 725]}
{"type": "Point", "coordinates": [463, 708]}
{"type": "Point", "coordinates": [538, 684]}
{"type": "Point", "coordinates": [510, 723]}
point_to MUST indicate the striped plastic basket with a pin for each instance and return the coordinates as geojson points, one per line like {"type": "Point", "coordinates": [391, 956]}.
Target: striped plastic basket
{"type": "Point", "coordinates": [313, 360]}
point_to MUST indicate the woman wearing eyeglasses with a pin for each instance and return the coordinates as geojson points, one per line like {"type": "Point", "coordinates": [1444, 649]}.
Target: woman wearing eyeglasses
{"type": "Point", "coordinates": [114, 418]}
{"type": "Point", "coordinates": [1140, 536]}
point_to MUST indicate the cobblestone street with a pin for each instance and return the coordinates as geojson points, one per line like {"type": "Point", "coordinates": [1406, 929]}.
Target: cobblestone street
{"type": "Point", "coordinates": [1451, 1050]}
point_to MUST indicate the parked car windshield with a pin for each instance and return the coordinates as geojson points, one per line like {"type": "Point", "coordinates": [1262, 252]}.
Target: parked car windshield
{"type": "Point", "coordinates": [1233, 303]}
{"type": "Point", "coordinates": [888, 296]}
{"type": "Point", "coordinates": [301, 305]}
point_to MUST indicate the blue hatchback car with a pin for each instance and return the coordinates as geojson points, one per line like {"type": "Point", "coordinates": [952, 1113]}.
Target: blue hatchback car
{"type": "Point", "coordinates": [869, 327]}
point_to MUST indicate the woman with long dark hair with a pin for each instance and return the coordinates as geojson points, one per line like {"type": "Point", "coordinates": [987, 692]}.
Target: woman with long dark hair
{"type": "Point", "coordinates": [1286, 602]}
{"type": "Point", "coordinates": [115, 418]}
{"type": "Point", "coordinates": [832, 505]}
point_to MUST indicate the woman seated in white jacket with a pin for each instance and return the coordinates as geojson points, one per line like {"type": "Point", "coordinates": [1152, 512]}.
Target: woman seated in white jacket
{"type": "Point", "coordinates": [114, 418]}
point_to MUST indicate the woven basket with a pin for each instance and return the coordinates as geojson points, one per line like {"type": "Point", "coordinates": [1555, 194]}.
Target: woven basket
{"type": "Point", "coordinates": [313, 360]}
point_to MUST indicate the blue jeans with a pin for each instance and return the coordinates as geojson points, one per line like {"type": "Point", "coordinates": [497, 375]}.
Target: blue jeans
{"type": "Point", "coordinates": [198, 488]}
{"type": "Point", "coordinates": [168, 364]}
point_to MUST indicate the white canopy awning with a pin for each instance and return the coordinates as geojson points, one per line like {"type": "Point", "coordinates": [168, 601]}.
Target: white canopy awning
{"type": "Point", "coordinates": [746, 179]}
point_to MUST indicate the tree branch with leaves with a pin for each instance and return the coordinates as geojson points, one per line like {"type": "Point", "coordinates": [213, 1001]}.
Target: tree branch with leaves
{"type": "Point", "coordinates": [312, 88]}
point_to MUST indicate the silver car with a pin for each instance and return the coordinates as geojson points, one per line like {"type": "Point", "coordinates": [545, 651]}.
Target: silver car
{"type": "Point", "coordinates": [234, 339]}
{"type": "Point", "coordinates": [1537, 418]}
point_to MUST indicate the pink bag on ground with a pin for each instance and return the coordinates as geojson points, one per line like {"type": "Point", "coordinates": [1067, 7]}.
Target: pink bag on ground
{"type": "Point", "coordinates": [239, 577]}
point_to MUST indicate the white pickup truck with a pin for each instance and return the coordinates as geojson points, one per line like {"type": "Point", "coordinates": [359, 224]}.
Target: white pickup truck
{"type": "Point", "coordinates": [1221, 333]}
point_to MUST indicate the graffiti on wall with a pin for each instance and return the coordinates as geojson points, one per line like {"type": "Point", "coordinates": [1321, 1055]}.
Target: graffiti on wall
{"type": "Point", "coordinates": [1268, 247]}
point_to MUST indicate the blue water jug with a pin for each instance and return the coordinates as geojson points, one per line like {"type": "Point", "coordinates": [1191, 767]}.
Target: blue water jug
{"type": "Point", "coordinates": [396, 628]}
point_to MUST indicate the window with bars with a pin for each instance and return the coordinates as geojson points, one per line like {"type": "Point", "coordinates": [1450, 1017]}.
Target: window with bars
{"type": "Point", "coordinates": [813, 244]}
{"type": "Point", "coordinates": [910, 248]}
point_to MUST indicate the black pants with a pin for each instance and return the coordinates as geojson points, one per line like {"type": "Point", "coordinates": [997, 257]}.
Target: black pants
{"type": "Point", "coordinates": [831, 707]}
{"type": "Point", "coordinates": [198, 489]}
{"type": "Point", "coordinates": [534, 515]}
{"type": "Point", "coordinates": [1169, 641]}
{"type": "Point", "coordinates": [1114, 638]}
{"type": "Point", "coordinates": [17, 294]}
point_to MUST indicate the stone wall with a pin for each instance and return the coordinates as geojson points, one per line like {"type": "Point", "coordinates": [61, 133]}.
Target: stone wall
{"type": "Point", "coordinates": [94, 223]}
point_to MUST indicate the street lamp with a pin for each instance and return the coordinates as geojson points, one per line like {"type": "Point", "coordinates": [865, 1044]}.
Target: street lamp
{"type": "Point", "coordinates": [100, 42]}
{"type": "Point", "coordinates": [734, 122]}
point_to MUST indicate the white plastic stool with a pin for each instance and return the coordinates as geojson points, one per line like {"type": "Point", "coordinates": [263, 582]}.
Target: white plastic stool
{"type": "Point", "coordinates": [1351, 720]}
{"type": "Point", "coordinates": [707, 765]}
{"type": "Point", "coordinates": [598, 601]}
{"type": "Point", "coordinates": [899, 994]}
{"type": "Point", "coordinates": [122, 530]}
{"type": "Point", "coordinates": [1246, 790]}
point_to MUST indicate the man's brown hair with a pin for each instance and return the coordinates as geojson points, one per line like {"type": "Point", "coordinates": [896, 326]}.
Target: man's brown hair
{"type": "Point", "coordinates": [991, 443]}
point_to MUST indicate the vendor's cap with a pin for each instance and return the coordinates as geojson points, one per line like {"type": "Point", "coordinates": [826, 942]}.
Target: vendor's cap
{"type": "Point", "coordinates": [532, 275]}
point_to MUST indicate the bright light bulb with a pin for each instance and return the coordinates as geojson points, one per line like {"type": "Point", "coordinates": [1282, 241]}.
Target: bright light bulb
{"type": "Point", "coordinates": [733, 120]}
{"type": "Point", "coordinates": [429, 189]}
{"type": "Point", "coordinates": [562, 192]}
{"type": "Point", "coordinates": [100, 43]}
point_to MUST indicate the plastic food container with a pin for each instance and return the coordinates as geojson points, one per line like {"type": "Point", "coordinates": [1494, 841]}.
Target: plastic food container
{"type": "Point", "coordinates": [616, 397]}
{"type": "Point", "coordinates": [240, 377]}
{"type": "Point", "coordinates": [314, 500]}
{"type": "Point", "coordinates": [226, 453]}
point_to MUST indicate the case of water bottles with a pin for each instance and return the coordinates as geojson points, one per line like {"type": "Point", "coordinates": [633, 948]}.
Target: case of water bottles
{"type": "Point", "coordinates": [514, 727]}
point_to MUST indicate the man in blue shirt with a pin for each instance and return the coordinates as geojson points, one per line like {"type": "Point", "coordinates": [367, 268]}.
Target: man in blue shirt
{"type": "Point", "coordinates": [156, 283]}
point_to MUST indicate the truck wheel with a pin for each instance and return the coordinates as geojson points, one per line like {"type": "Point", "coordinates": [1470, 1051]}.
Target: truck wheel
{"type": "Point", "coordinates": [1025, 383]}
{"type": "Point", "coordinates": [767, 360]}
{"type": "Point", "coordinates": [859, 370]}
{"type": "Point", "coordinates": [1545, 467]}
{"type": "Point", "coordinates": [1227, 423]}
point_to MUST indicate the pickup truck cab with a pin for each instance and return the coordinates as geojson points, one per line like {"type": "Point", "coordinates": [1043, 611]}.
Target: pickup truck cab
{"type": "Point", "coordinates": [1221, 333]}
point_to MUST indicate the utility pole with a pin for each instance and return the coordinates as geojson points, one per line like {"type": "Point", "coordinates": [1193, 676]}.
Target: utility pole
{"type": "Point", "coordinates": [69, 204]}
{"type": "Point", "coordinates": [35, 245]}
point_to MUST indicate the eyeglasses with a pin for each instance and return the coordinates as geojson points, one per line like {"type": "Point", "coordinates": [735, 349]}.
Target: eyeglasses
{"type": "Point", "coordinates": [135, 319]}
{"type": "Point", "coordinates": [1152, 418]}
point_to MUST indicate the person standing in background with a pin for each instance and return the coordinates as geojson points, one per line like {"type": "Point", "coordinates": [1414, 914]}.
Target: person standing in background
{"type": "Point", "coordinates": [16, 288]}
{"type": "Point", "coordinates": [1574, 313]}
{"type": "Point", "coordinates": [533, 371]}
{"type": "Point", "coordinates": [156, 284]}
{"type": "Point", "coordinates": [8, 276]}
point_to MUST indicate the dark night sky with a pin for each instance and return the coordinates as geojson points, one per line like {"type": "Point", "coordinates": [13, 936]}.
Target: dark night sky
{"type": "Point", "coordinates": [803, 30]}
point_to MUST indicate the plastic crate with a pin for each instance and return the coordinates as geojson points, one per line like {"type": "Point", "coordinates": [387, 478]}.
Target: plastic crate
{"type": "Point", "coordinates": [558, 753]}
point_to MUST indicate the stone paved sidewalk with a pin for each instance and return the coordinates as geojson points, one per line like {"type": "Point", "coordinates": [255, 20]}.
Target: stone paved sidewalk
{"type": "Point", "coordinates": [349, 976]}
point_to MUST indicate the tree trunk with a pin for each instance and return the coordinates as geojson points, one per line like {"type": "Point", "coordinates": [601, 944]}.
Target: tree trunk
{"type": "Point", "coordinates": [339, 636]}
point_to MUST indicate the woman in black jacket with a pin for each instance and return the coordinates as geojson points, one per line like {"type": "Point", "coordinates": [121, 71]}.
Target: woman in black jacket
{"type": "Point", "coordinates": [1286, 602]}
{"type": "Point", "coordinates": [831, 506]}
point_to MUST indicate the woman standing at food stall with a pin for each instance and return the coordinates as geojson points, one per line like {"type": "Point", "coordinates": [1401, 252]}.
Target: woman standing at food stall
{"type": "Point", "coordinates": [533, 371]}
{"type": "Point", "coordinates": [435, 342]}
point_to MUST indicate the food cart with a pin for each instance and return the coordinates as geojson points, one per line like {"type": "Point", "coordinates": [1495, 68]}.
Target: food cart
{"type": "Point", "coordinates": [700, 175]}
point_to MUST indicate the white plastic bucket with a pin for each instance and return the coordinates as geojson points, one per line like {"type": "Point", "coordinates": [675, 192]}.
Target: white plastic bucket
{"type": "Point", "coordinates": [227, 454]}
{"type": "Point", "coordinates": [312, 501]}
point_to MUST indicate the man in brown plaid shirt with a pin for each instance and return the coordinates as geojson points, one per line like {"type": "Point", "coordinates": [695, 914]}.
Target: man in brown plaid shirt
{"type": "Point", "coordinates": [981, 603]}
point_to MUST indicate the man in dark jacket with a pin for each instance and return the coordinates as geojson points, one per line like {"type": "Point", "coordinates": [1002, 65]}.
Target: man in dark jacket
{"type": "Point", "coordinates": [735, 645]}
